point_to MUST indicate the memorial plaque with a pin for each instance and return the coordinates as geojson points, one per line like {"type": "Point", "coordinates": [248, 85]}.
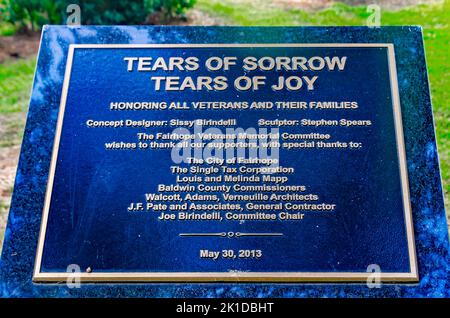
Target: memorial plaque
{"type": "Point", "coordinates": [258, 155]}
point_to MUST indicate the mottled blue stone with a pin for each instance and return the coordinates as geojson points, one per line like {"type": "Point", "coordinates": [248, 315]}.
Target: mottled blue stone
{"type": "Point", "coordinates": [430, 225]}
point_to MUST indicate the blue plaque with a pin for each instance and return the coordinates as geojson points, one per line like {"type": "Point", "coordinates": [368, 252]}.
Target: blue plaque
{"type": "Point", "coordinates": [222, 155]}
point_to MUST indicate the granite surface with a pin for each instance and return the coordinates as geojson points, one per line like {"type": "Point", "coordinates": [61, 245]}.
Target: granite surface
{"type": "Point", "coordinates": [430, 225]}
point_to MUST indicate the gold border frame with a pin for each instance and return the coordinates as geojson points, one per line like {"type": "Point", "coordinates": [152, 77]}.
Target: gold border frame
{"type": "Point", "coordinates": [331, 277]}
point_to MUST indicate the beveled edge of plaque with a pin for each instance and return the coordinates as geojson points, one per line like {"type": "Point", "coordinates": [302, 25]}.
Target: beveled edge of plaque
{"type": "Point", "coordinates": [235, 276]}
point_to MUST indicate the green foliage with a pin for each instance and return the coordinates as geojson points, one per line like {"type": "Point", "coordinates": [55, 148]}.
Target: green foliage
{"type": "Point", "coordinates": [32, 14]}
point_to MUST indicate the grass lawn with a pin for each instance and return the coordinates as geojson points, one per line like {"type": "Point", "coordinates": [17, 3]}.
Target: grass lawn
{"type": "Point", "coordinates": [434, 19]}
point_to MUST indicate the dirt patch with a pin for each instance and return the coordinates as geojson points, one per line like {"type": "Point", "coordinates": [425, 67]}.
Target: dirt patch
{"type": "Point", "coordinates": [8, 162]}
{"type": "Point", "coordinates": [18, 46]}
{"type": "Point", "coordinates": [390, 4]}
